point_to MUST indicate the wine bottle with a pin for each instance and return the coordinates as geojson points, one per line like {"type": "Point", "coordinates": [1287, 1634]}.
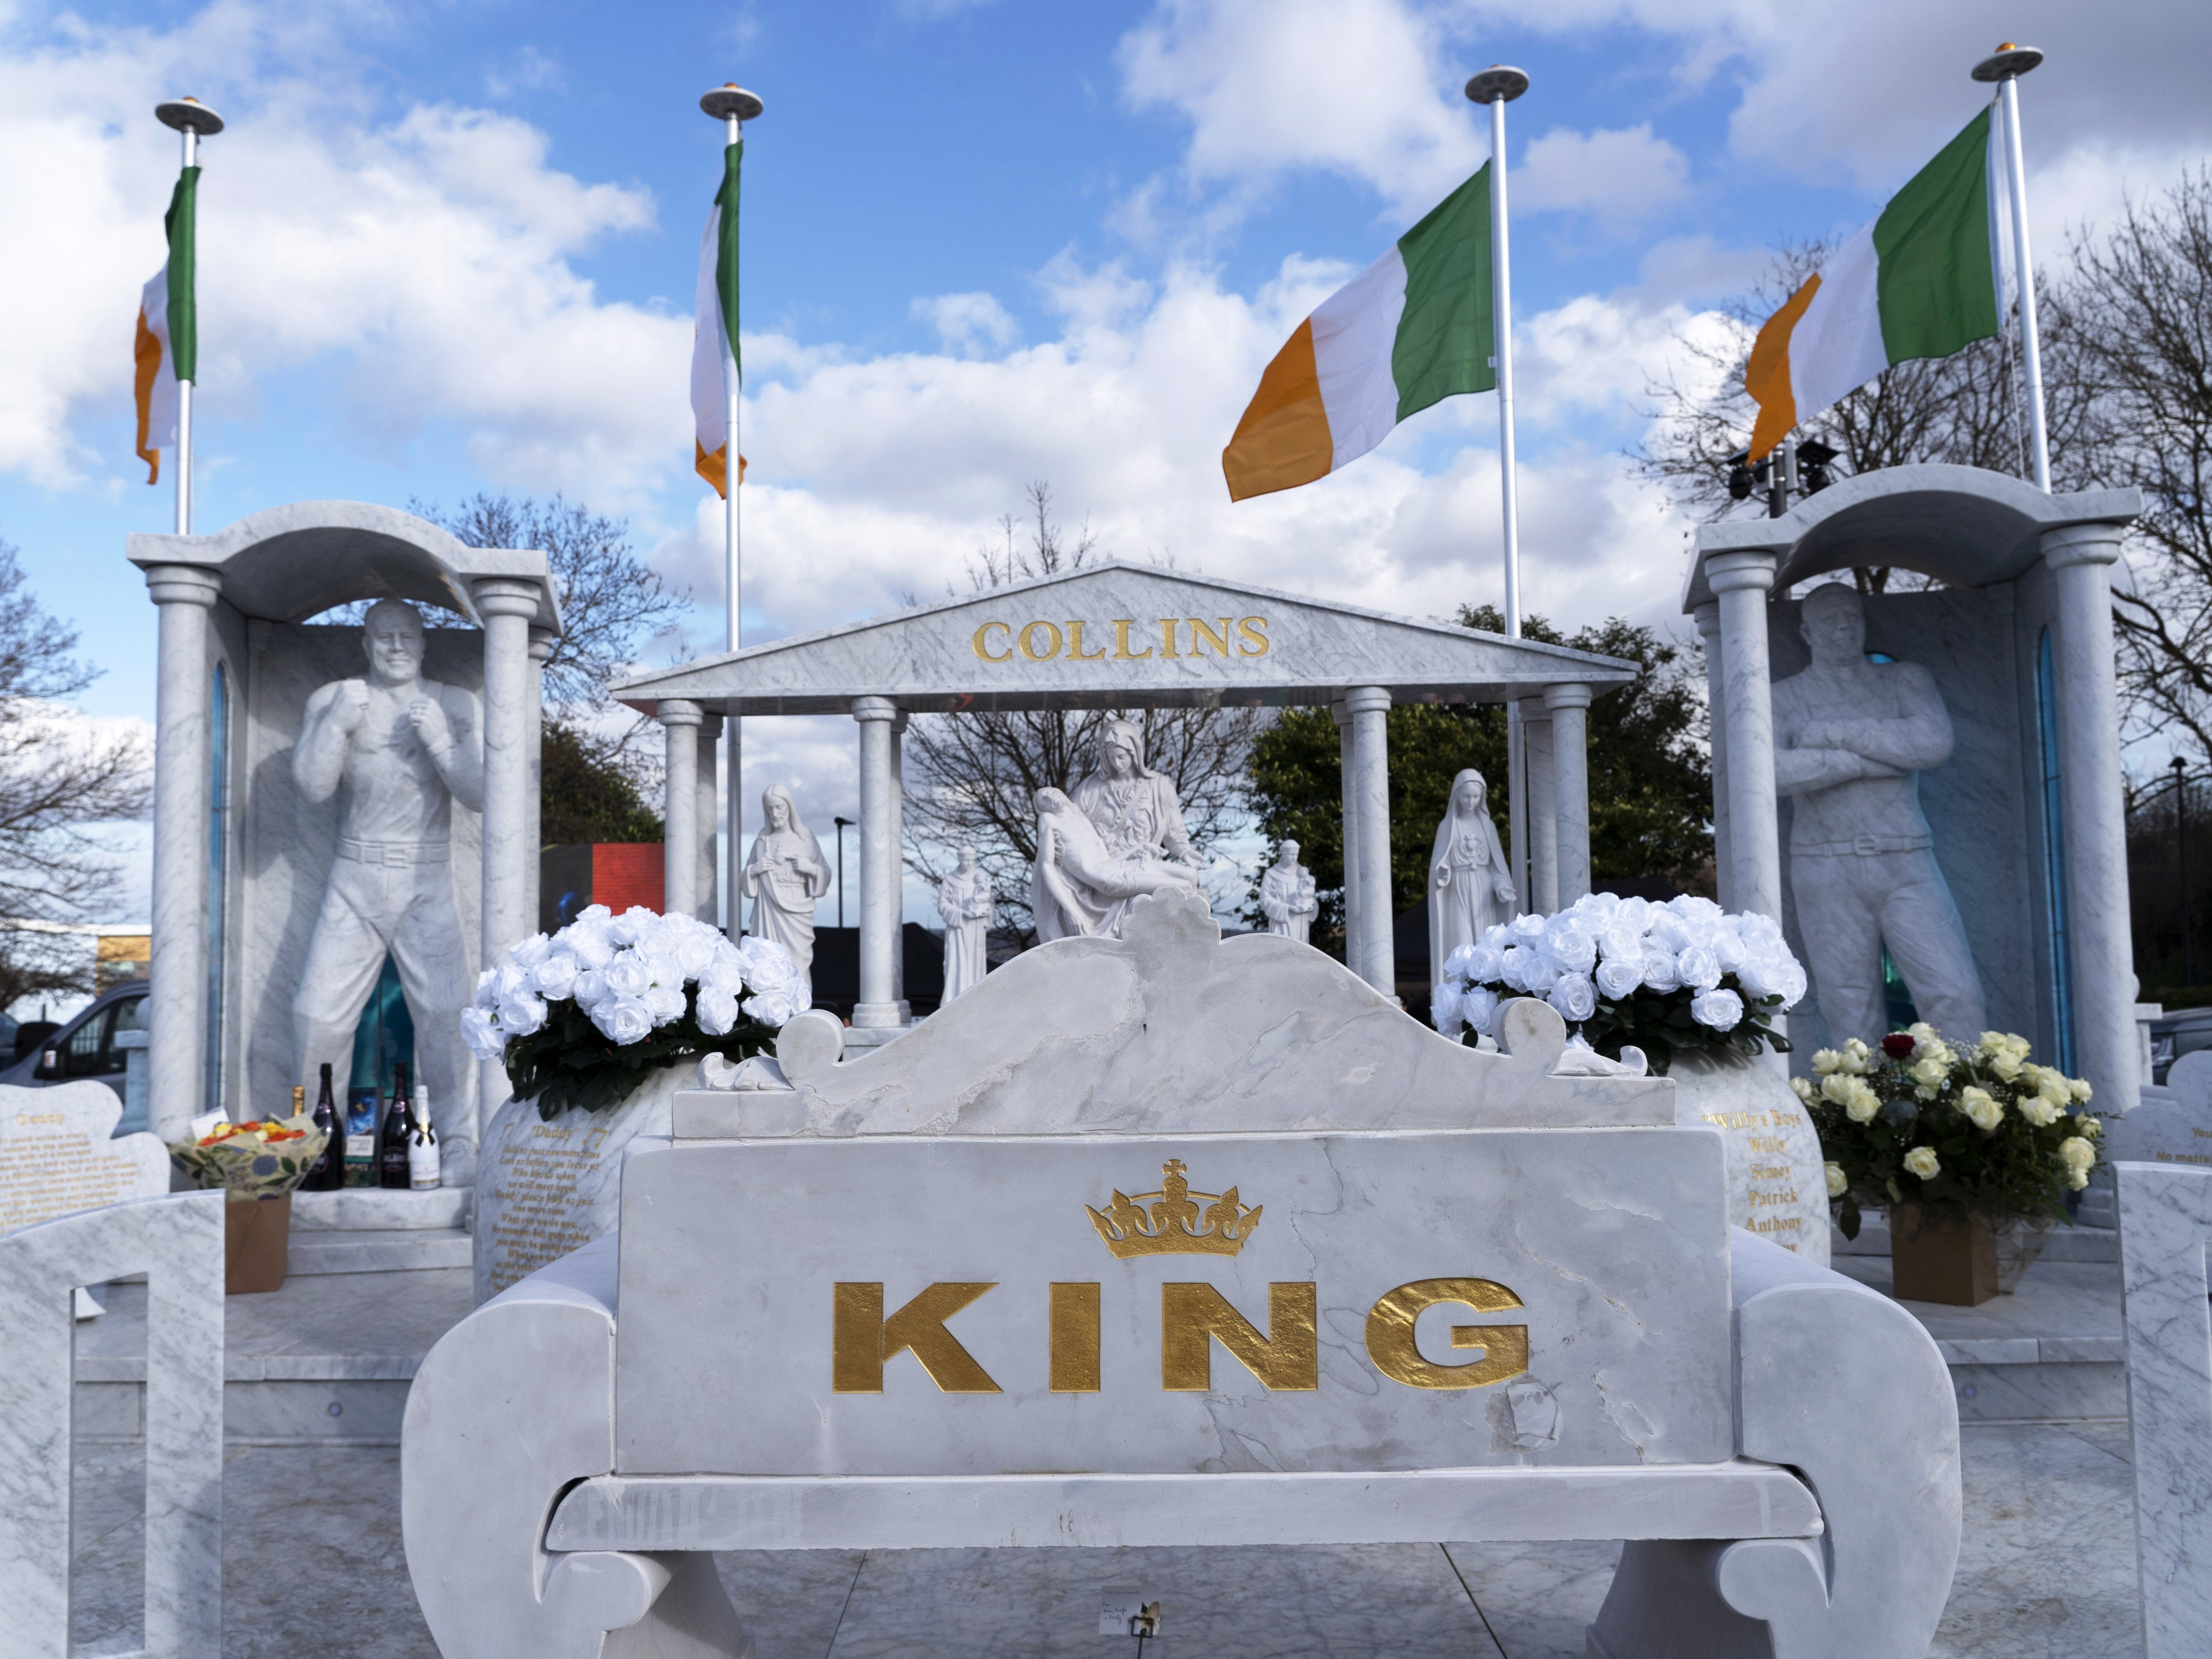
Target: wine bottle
{"type": "Point", "coordinates": [360, 1139]}
{"type": "Point", "coordinates": [328, 1174]}
{"type": "Point", "coordinates": [422, 1145]}
{"type": "Point", "coordinates": [391, 1143]}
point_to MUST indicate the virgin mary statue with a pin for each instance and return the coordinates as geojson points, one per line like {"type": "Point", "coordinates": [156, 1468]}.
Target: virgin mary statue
{"type": "Point", "coordinates": [1469, 888]}
{"type": "Point", "coordinates": [785, 873]}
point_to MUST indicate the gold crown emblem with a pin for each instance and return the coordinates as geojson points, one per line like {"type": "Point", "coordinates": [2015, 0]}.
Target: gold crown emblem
{"type": "Point", "coordinates": [1163, 1223]}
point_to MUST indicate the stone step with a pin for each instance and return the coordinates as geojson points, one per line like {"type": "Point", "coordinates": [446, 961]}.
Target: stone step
{"type": "Point", "coordinates": [377, 1249]}
{"type": "Point", "coordinates": [360, 1209]}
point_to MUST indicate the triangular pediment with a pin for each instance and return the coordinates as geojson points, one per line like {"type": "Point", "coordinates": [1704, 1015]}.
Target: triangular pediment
{"type": "Point", "coordinates": [1126, 636]}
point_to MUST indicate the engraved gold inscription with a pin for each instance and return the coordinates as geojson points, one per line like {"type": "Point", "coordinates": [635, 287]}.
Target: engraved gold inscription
{"type": "Point", "coordinates": [1390, 1334]}
{"type": "Point", "coordinates": [1074, 1339]}
{"type": "Point", "coordinates": [1075, 645]}
{"type": "Point", "coordinates": [983, 649]}
{"type": "Point", "coordinates": [1027, 637]}
{"type": "Point", "coordinates": [862, 1339]}
{"type": "Point", "coordinates": [1203, 634]}
{"type": "Point", "coordinates": [1285, 1360]}
{"type": "Point", "coordinates": [1122, 652]}
{"type": "Point", "coordinates": [1044, 640]}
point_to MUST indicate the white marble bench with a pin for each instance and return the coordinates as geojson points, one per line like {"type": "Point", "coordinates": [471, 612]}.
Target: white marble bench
{"type": "Point", "coordinates": [902, 1304]}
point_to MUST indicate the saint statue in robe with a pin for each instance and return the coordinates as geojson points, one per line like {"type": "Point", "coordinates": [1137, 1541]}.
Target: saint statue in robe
{"type": "Point", "coordinates": [964, 901]}
{"type": "Point", "coordinates": [1286, 895]}
{"type": "Point", "coordinates": [1470, 889]}
{"type": "Point", "coordinates": [785, 873]}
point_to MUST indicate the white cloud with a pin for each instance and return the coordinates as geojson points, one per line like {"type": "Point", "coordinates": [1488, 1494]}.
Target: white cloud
{"type": "Point", "coordinates": [1620, 176]}
{"type": "Point", "coordinates": [524, 70]}
{"type": "Point", "coordinates": [970, 325]}
{"type": "Point", "coordinates": [422, 260]}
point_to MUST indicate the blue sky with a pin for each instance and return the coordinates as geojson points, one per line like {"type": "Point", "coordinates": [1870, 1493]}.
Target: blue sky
{"type": "Point", "coordinates": [451, 247]}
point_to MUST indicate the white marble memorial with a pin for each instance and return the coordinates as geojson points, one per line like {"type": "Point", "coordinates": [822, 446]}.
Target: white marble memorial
{"type": "Point", "coordinates": [2171, 1124]}
{"type": "Point", "coordinates": [546, 1188]}
{"type": "Point", "coordinates": [1079, 885]}
{"type": "Point", "coordinates": [965, 904]}
{"type": "Point", "coordinates": [59, 1154]}
{"type": "Point", "coordinates": [1169, 1239]}
{"type": "Point", "coordinates": [1776, 1185]}
{"type": "Point", "coordinates": [2165, 1222]}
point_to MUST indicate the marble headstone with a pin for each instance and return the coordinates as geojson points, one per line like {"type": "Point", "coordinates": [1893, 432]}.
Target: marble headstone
{"type": "Point", "coordinates": [2171, 1125]}
{"type": "Point", "coordinates": [1777, 1186]}
{"type": "Point", "coordinates": [55, 1155]}
{"type": "Point", "coordinates": [545, 1188]}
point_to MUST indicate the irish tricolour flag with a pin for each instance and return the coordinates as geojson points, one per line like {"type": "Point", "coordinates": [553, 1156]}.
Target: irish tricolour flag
{"type": "Point", "coordinates": [1924, 279]}
{"type": "Point", "coordinates": [1415, 326]}
{"type": "Point", "coordinates": [714, 360]}
{"type": "Point", "coordinates": [168, 348]}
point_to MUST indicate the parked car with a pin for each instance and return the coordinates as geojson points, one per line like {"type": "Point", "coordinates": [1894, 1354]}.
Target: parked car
{"type": "Point", "coordinates": [85, 1046]}
{"type": "Point", "coordinates": [2182, 1032]}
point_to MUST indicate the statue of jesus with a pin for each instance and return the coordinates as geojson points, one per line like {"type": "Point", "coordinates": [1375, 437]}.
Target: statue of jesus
{"type": "Point", "coordinates": [1850, 736]}
{"type": "Point", "coordinates": [404, 748]}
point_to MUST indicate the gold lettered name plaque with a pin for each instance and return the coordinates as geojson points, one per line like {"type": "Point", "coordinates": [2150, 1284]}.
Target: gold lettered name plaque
{"type": "Point", "coordinates": [929, 1305]}
{"type": "Point", "coordinates": [1120, 639]}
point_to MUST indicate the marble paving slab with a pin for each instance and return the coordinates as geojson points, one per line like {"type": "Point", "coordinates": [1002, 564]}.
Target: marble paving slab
{"type": "Point", "coordinates": [2064, 1312]}
{"type": "Point", "coordinates": [312, 1565]}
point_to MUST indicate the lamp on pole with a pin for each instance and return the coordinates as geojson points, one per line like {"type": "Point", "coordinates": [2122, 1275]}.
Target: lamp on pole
{"type": "Point", "coordinates": [843, 825]}
{"type": "Point", "coordinates": [2004, 67]}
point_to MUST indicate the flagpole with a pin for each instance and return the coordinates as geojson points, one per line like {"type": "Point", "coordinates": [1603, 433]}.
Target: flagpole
{"type": "Point", "coordinates": [734, 107]}
{"type": "Point", "coordinates": [2005, 67]}
{"type": "Point", "coordinates": [190, 117]}
{"type": "Point", "coordinates": [1497, 87]}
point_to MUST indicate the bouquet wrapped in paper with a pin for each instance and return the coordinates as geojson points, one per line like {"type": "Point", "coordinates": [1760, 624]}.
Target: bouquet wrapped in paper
{"type": "Point", "coordinates": [252, 1160]}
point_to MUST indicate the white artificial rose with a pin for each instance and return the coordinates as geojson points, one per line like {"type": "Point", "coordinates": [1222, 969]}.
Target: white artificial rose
{"type": "Point", "coordinates": [1659, 973]}
{"type": "Point", "coordinates": [1570, 943]}
{"type": "Point", "coordinates": [1698, 967]}
{"type": "Point", "coordinates": [522, 1013]}
{"type": "Point", "coordinates": [1668, 935]}
{"type": "Point", "coordinates": [555, 977]}
{"type": "Point", "coordinates": [532, 952]}
{"type": "Point", "coordinates": [1514, 965]}
{"type": "Point", "coordinates": [1479, 1008]}
{"type": "Point", "coordinates": [588, 939]}
{"type": "Point", "coordinates": [1838, 1185]}
{"type": "Point", "coordinates": [1922, 1161]}
{"type": "Point", "coordinates": [1802, 1088]}
{"type": "Point", "coordinates": [590, 989]}
{"type": "Point", "coordinates": [2079, 1088]}
{"type": "Point", "coordinates": [633, 924]}
{"type": "Point", "coordinates": [1618, 976]}
{"type": "Point", "coordinates": [1540, 973]}
{"type": "Point", "coordinates": [1695, 905]}
{"type": "Point", "coordinates": [1625, 944]}
{"type": "Point", "coordinates": [487, 995]}
{"type": "Point", "coordinates": [1928, 1071]}
{"type": "Point", "coordinates": [481, 1033]}
{"type": "Point", "coordinates": [723, 973]}
{"type": "Point", "coordinates": [694, 948]}
{"type": "Point", "coordinates": [1444, 1007]}
{"type": "Point", "coordinates": [771, 1007]}
{"type": "Point", "coordinates": [1634, 913]}
{"type": "Point", "coordinates": [1455, 963]}
{"type": "Point", "coordinates": [663, 1003]}
{"type": "Point", "coordinates": [622, 1020]}
{"type": "Point", "coordinates": [1497, 936]}
{"type": "Point", "coordinates": [1721, 1010]}
{"type": "Point", "coordinates": [1571, 993]}
{"type": "Point", "coordinates": [718, 1011]}
{"type": "Point", "coordinates": [2077, 1153]}
{"type": "Point", "coordinates": [1728, 948]}
{"type": "Point", "coordinates": [1526, 929]}
{"type": "Point", "coordinates": [1827, 1062]}
{"type": "Point", "coordinates": [508, 981]}
{"type": "Point", "coordinates": [1858, 1059]}
{"type": "Point", "coordinates": [1981, 1107]}
{"type": "Point", "coordinates": [1860, 1100]}
{"type": "Point", "coordinates": [2088, 1125]}
{"type": "Point", "coordinates": [626, 975]}
{"type": "Point", "coordinates": [1486, 963]}
{"type": "Point", "coordinates": [2039, 1111]}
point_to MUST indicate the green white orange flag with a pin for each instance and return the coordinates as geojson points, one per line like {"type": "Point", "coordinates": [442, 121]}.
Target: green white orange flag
{"type": "Point", "coordinates": [715, 364]}
{"type": "Point", "coordinates": [168, 347]}
{"type": "Point", "coordinates": [1415, 327]}
{"type": "Point", "coordinates": [1925, 278]}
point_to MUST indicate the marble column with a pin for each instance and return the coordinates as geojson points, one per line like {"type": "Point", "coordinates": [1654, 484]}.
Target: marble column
{"type": "Point", "coordinates": [2165, 1221]}
{"type": "Point", "coordinates": [878, 1004]}
{"type": "Point", "coordinates": [542, 642]}
{"type": "Point", "coordinates": [679, 805]}
{"type": "Point", "coordinates": [2100, 944]}
{"type": "Point", "coordinates": [1354, 942]}
{"type": "Point", "coordinates": [1369, 709]}
{"type": "Point", "coordinates": [708, 893]}
{"type": "Point", "coordinates": [1741, 581]}
{"type": "Point", "coordinates": [506, 606]}
{"type": "Point", "coordinates": [1541, 893]}
{"type": "Point", "coordinates": [177, 1011]}
{"type": "Point", "coordinates": [898, 867]}
{"type": "Point", "coordinates": [1708, 618]}
{"type": "Point", "coordinates": [1568, 708]}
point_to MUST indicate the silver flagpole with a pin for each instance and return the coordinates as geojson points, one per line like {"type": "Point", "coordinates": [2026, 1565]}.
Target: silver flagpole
{"type": "Point", "coordinates": [191, 117]}
{"type": "Point", "coordinates": [1499, 86]}
{"type": "Point", "coordinates": [734, 107]}
{"type": "Point", "coordinates": [2005, 67]}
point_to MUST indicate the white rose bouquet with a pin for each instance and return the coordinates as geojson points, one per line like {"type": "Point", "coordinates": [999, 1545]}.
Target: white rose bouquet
{"type": "Point", "coordinates": [580, 1017]}
{"type": "Point", "coordinates": [1963, 1130]}
{"type": "Point", "coordinates": [1622, 972]}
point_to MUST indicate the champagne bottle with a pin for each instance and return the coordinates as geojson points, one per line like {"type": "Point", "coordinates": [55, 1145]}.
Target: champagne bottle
{"type": "Point", "coordinates": [391, 1142]}
{"type": "Point", "coordinates": [423, 1146]}
{"type": "Point", "coordinates": [328, 1174]}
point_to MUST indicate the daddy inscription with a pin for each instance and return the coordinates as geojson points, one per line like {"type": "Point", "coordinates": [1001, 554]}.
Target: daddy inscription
{"type": "Point", "coordinates": [56, 1155]}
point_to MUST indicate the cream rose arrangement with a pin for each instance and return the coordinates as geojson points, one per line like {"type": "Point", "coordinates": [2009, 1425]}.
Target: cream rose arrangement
{"type": "Point", "coordinates": [1977, 1128]}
